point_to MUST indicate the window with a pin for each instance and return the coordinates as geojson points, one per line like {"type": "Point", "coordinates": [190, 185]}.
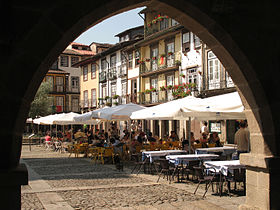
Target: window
{"type": "Point", "coordinates": [170, 58]}
{"type": "Point", "coordinates": [174, 22]}
{"type": "Point", "coordinates": [85, 98]}
{"type": "Point", "coordinates": [75, 84]}
{"type": "Point", "coordinates": [59, 103]}
{"type": "Point", "coordinates": [186, 42]}
{"type": "Point", "coordinates": [196, 41]}
{"type": "Point", "coordinates": [170, 81]}
{"type": "Point", "coordinates": [54, 65]}
{"type": "Point", "coordinates": [103, 64]}
{"type": "Point", "coordinates": [93, 97]}
{"type": "Point", "coordinates": [154, 60]}
{"type": "Point", "coordinates": [192, 75]}
{"type": "Point", "coordinates": [74, 60]}
{"type": "Point", "coordinates": [85, 73]}
{"type": "Point", "coordinates": [64, 61]}
{"type": "Point", "coordinates": [130, 60]}
{"type": "Point", "coordinates": [75, 104]}
{"type": "Point", "coordinates": [123, 88]}
{"type": "Point", "coordinates": [164, 23]}
{"type": "Point", "coordinates": [113, 89]}
{"type": "Point", "coordinates": [137, 57]}
{"type": "Point", "coordinates": [59, 84]}
{"type": "Point", "coordinates": [113, 60]}
{"type": "Point", "coordinates": [213, 71]}
{"type": "Point", "coordinates": [93, 71]}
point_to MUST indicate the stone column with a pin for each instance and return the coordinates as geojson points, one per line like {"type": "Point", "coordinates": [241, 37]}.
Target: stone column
{"type": "Point", "coordinates": [10, 186]}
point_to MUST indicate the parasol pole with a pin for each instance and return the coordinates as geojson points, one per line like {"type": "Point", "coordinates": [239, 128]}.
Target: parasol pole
{"type": "Point", "coordinates": [189, 135]}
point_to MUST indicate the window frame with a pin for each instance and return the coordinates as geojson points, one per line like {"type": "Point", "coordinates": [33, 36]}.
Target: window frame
{"type": "Point", "coordinates": [85, 76]}
{"type": "Point", "coordinates": [93, 75]}
{"type": "Point", "coordinates": [62, 62]}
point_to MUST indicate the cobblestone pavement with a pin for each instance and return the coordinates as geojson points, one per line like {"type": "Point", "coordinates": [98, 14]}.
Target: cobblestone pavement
{"type": "Point", "coordinates": [59, 182]}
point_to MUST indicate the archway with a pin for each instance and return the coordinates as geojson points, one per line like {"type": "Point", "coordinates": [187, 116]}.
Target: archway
{"type": "Point", "coordinates": [42, 33]}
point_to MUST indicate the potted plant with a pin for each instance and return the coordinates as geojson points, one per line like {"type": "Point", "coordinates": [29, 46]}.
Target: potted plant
{"type": "Point", "coordinates": [107, 97]}
{"type": "Point", "coordinates": [153, 89]}
{"type": "Point", "coordinates": [170, 53]}
{"type": "Point", "coordinates": [169, 87]}
{"type": "Point", "coordinates": [116, 96]}
{"type": "Point", "coordinates": [108, 104]}
{"type": "Point", "coordinates": [182, 75]}
{"type": "Point", "coordinates": [147, 91]}
{"type": "Point", "coordinates": [178, 63]}
{"type": "Point", "coordinates": [154, 58]}
{"type": "Point", "coordinates": [147, 59]}
{"type": "Point", "coordinates": [162, 55]}
{"type": "Point", "coordinates": [116, 103]}
{"type": "Point", "coordinates": [100, 99]}
{"type": "Point", "coordinates": [162, 88]}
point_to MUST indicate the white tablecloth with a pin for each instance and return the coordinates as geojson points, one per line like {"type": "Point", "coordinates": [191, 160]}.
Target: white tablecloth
{"type": "Point", "coordinates": [223, 166]}
{"type": "Point", "coordinates": [152, 155]}
{"type": "Point", "coordinates": [226, 150]}
{"type": "Point", "coordinates": [184, 159]}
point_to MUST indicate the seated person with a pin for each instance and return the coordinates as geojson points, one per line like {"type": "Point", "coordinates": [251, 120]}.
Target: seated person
{"type": "Point", "coordinates": [174, 136]}
{"type": "Point", "coordinates": [217, 139]}
{"type": "Point", "coordinates": [151, 139]}
{"type": "Point", "coordinates": [185, 142]}
{"type": "Point", "coordinates": [204, 140]}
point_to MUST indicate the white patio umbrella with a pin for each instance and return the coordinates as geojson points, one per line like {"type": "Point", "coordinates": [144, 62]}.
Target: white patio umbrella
{"type": "Point", "coordinates": [46, 120]}
{"type": "Point", "coordinates": [167, 111]}
{"type": "Point", "coordinates": [223, 107]}
{"type": "Point", "coordinates": [88, 116]}
{"type": "Point", "coordinates": [68, 119]}
{"type": "Point", "coordinates": [121, 112]}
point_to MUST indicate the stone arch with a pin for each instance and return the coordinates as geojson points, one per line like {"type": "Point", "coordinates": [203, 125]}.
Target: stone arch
{"type": "Point", "coordinates": [44, 33]}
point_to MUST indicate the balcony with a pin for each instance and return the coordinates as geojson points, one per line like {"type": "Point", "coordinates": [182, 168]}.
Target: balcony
{"type": "Point", "coordinates": [70, 89]}
{"type": "Point", "coordinates": [122, 70]}
{"type": "Point", "coordinates": [219, 85]}
{"type": "Point", "coordinates": [151, 29]}
{"type": "Point", "coordinates": [102, 76]}
{"type": "Point", "coordinates": [58, 89]}
{"type": "Point", "coordinates": [112, 73]}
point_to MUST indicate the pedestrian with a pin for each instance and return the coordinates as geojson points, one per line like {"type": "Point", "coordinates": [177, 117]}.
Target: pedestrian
{"type": "Point", "coordinates": [241, 138]}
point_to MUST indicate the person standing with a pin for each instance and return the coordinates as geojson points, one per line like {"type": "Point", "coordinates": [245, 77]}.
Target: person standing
{"type": "Point", "coordinates": [241, 138]}
{"type": "Point", "coordinates": [204, 128]}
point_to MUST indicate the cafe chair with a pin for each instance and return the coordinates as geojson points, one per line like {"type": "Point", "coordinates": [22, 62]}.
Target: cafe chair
{"type": "Point", "coordinates": [166, 169]}
{"type": "Point", "coordinates": [238, 176]}
{"type": "Point", "coordinates": [139, 163]}
{"type": "Point", "coordinates": [207, 178]}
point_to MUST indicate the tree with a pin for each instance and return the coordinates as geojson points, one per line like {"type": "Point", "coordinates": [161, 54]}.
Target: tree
{"type": "Point", "coordinates": [41, 105]}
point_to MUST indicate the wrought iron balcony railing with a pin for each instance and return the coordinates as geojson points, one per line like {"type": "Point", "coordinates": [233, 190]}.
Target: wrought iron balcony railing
{"type": "Point", "coordinates": [122, 70]}
{"type": "Point", "coordinates": [112, 73]}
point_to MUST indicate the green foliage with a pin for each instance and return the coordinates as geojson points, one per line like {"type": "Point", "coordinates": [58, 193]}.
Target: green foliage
{"type": "Point", "coordinates": [41, 105]}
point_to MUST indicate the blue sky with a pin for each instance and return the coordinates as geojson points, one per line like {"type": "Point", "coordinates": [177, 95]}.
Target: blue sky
{"type": "Point", "coordinates": [105, 31]}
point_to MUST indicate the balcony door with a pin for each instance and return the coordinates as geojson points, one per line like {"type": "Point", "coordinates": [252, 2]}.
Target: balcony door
{"type": "Point", "coordinates": [59, 84]}
{"type": "Point", "coordinates": [134, 91]}
{"type": "Point", "coordinates": [154, 61]}
{"type": "Point", "coordinates": [169, 81]}
{"type": "Point", "coordinates": [213, 71]}
{"type": "Point", "coordinates": [154, 84]}
{"type": "Point", "coordinates": [170, 59]}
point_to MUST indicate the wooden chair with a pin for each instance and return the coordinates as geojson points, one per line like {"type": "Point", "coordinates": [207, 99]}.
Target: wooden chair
{"type": "Point", "coordinates": [199, 145]}
{"type": "Point", "coordinates": [80, 149]}
{"type": "Point", "coordinates": [71, 149]}
{"type": "Point", "coordinates": [93, 152]}
{"type": "Point", "coordinates": [106, 153]}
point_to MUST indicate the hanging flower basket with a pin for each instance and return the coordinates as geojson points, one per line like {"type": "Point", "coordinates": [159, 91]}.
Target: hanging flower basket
{"type": "Point", "coordinates": [182, 75]}
{"type": "Point", "coordinates": [153, 90]}
{"type": "Point", "coordinates": [116, 103]}
{"type": "Point", "coordinates": [108, 104]}
{"type": "Point", "coordinates": [154, 58]}
{"type": "Point", "coordinates": [162, 55]}
{"type": "Point", "coordinates": [147, 91]}
{"type": "Point", "coordinates": [147, 59]}
{"type": "Point", "coordinates": [141, 61]}
{"type": "Point", "coordinates": [107, 97]}
{"type": "Point", "coordinates": [170, 53]}
{"type": "Point", "coordinates": [116, 96]}
{"type": "Point", "coordinates": [169, 87]}
{"type": "Point", "coordinates": [162, 88]}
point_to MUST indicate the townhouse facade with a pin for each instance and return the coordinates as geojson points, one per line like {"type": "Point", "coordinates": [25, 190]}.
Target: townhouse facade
{"type": "Point", "coordinates": [170, 62]}
{"type": "Point", "coordinates": [65, 78]}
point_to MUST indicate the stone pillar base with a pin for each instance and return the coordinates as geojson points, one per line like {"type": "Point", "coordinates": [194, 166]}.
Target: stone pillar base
{"type": "Point", "coordinates": [262, 181]}
{"type": "Point", "coordinates": [10, 186]}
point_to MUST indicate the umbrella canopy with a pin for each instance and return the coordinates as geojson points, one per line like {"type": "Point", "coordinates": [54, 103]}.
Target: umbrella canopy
{"type": "Point", "coordinates": [86, 117]}
{"type": "Point", "coordinates": [121, 112]}
{"type": "Point", "coordinates": [29, 120]}
{"type": "Point", "coordinates": [47, 120]}
{"type": "Point", "coordinates": [68, 119]}
{"type": "Point", "coordinates": [226, 106]}
{"type": "Point", "coordinates": [223, 107]}
{"type": "Point", "coordinates": [166, 111]}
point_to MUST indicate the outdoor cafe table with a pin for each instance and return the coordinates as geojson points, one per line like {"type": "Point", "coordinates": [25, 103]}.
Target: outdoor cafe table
{"type": "Point", "coordinates": [184, 159]}
{"type": "Point", "coordinates": [152, 155]}
{"type": "Point", "coordinates": [222, 168]}
{"type": "Point", "coordinates": [226, 150]}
